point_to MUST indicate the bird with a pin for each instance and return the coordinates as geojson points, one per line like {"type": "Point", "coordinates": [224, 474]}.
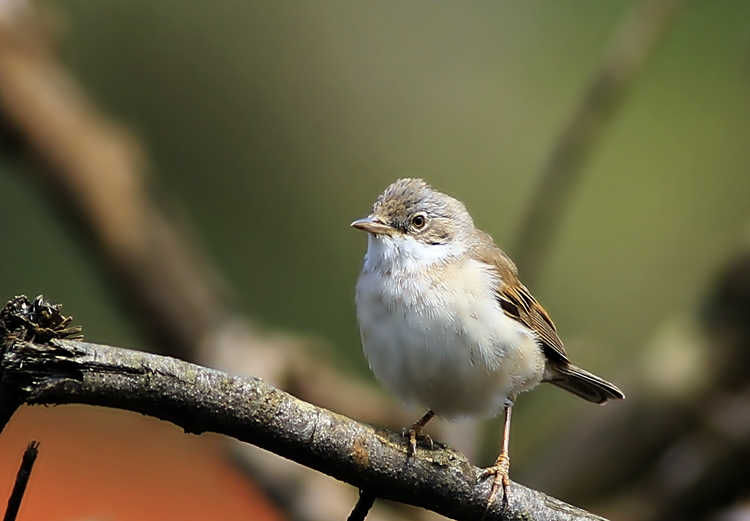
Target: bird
{"type": "Point", "coordinates": [446, 323]}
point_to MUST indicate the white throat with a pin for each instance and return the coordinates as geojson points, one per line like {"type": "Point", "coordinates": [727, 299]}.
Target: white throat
{"type": "Point", "coordinates": [405, 253]}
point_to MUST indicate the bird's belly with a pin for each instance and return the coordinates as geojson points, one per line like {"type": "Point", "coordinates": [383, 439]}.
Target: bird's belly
{"type": "Point", "coordinates": [470, 361]}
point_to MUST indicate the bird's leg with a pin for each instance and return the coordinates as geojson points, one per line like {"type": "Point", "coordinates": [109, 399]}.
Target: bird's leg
{"type": "Point", "coordinates": [415, 431]}
{"type": "Point", "coordinates": [502, 465]}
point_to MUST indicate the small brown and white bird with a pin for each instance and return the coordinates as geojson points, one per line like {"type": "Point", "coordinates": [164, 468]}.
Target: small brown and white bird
{"type": "Point", "coordinates": [445, 321]}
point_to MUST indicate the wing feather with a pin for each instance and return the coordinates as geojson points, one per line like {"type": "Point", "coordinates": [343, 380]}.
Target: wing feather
{"type": "Point", "coordinates": [518, 303]}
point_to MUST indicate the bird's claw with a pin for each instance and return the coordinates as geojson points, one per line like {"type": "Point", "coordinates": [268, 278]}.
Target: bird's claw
{"type": "Point", "coordinates": [416, 435]}
{"type": "Point", "coordinates": [500, 471]}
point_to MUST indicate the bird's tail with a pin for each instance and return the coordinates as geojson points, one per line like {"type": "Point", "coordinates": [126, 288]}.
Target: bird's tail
{"type": "Point", "coordinates": [584, 384]}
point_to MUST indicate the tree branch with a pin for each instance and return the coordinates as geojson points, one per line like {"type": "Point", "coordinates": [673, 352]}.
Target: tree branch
{"type": "Point", "coordinates": [632, 45]}
{"type": "Point", "coordinates": [248, 409]}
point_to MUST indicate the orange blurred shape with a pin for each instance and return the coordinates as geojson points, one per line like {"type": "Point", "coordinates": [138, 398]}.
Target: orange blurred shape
{"type": "Point", "coordinates": [108, 465]}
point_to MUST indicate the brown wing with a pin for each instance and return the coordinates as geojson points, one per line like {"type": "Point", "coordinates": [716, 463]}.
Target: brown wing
{"type": "Point", "coordinates": [518, 303]}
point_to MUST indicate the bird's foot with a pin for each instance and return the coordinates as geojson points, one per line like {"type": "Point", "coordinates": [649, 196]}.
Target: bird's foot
{"type": "Point", "coordinates": [415, 435]}
{"type": "Point", "coordinates": [500, 472]}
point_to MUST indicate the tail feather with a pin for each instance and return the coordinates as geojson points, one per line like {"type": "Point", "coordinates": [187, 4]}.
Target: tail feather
{"type": "Point", "coordinates": [584, 384]}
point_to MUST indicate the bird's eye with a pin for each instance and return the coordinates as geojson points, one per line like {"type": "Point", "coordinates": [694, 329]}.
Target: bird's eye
{"type": "Point", "coordinates": [418, 221]}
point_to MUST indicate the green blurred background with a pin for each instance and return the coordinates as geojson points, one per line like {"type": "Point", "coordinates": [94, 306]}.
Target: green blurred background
{"type": "Point", "coordinates": [272, 125]}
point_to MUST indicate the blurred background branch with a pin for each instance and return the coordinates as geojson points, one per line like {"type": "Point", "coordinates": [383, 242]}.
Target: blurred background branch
{"type": "Point", "coordinates": [634, 41]}
{"type": "Point", "coordinates": [682, 451]}
{"type": "Point", "coordinates": [628, 53]}
{"type": "Point", "coordinates": [98, 172]}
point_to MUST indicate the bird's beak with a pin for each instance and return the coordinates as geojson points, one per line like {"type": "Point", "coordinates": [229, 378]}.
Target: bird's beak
{"type": "Point", "coordinates": [372, 225]}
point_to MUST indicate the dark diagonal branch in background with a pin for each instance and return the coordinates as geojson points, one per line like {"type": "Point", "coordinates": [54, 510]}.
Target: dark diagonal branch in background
{"type": "Point", "coordinates": [99, 174]}
{"type": "Point", "coordinates": [22, 479]}
{"type": "Point", "coordinates": [202, 400]}
{"type": "Point", "coordinates": [681, 449]}
{"type": "Point", "coordinates": [632, 45]}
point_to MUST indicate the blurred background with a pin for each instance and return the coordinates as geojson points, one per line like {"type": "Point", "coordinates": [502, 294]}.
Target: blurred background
{"type": "Point", "coordinates": [182, 175]}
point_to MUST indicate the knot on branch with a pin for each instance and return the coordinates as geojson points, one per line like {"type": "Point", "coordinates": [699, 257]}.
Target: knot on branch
{"type": "Point", "coordinates": [23, 364]}
{"type": "Point", "coordinates": [35, 321]}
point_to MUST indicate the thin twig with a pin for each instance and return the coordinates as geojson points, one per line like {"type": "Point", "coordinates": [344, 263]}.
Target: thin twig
{"type": "Point", "coordinates": [22, 479]}
{"type": "Point", "coordinates": [629, 51]}
{"type": "Point", "coordinates": [362, 508]}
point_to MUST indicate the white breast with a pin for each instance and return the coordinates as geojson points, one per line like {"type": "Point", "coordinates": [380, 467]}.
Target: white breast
{"type": "Point", "coordinates": [433, 331]}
